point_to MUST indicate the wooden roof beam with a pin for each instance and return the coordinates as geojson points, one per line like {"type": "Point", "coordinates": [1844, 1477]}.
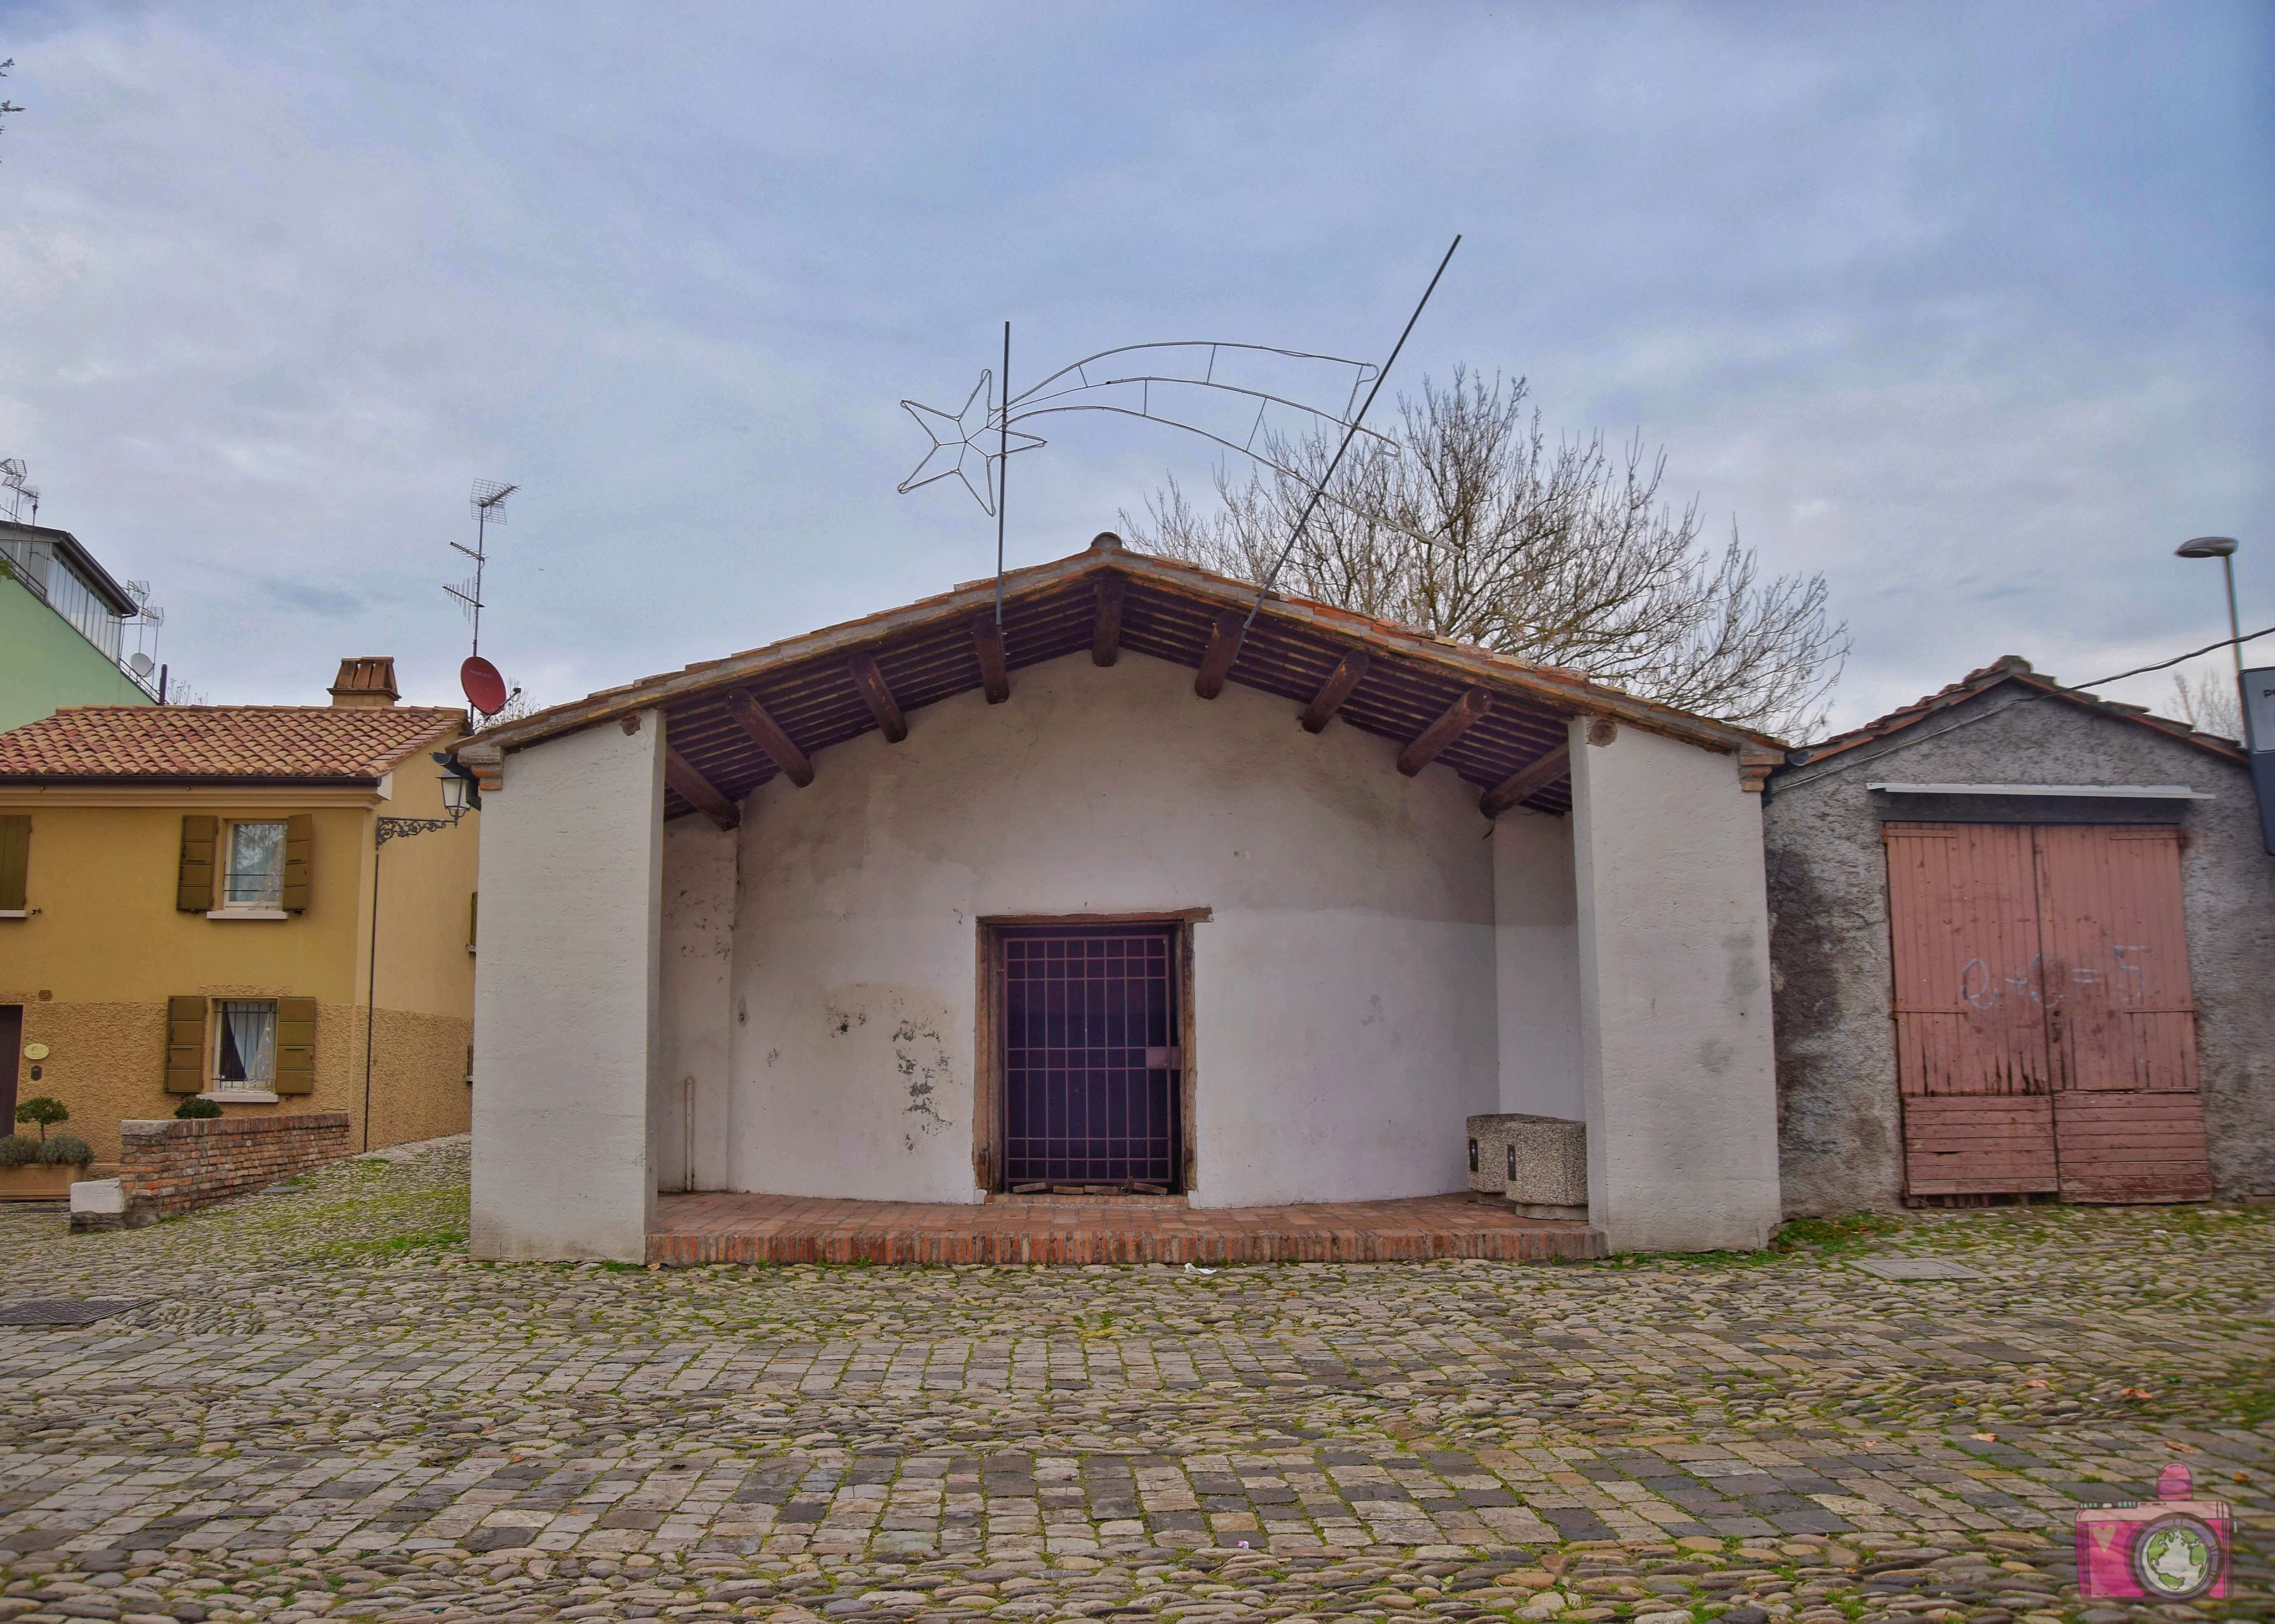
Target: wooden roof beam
{"type": "Point", "coordinates": [768, 733]}
{"type": "Point", "coordinates": [1526, 781]}
{"type": "Point", "coordinates": [878, 697]}
{"type": "Point", "coordinates": [1106, 637]}
{"type": "Point", "coordinates": [1464, 714]}
{"type": "Point", "coordinates": [1224, 649]}
{"type": "Point", "coordinates": [697, 791]}
{"type": "Point", "coordinates": [995, 673]}
{"type": "Point", "coordinates": [1346, 676]}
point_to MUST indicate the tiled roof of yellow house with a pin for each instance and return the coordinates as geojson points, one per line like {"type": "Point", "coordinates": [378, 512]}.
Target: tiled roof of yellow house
{"type": "Point", "coordinates": [153, 742]}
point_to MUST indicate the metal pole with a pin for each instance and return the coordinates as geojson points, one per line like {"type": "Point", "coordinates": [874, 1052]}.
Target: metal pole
{"type": "Point", "coordinates": [371, 991]}
{"type": "Point", "coordinates": [1348, 434]}
{"type": "Point", "coordinates": [481, 546]}
{"type": "Point", "coordinates": [2234, 626]}
{"type": "Point", "coordinates": [1003, 474]}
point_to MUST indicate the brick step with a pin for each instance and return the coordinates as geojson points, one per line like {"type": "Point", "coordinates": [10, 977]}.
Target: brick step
{"type": "Point", "coordinates": [735, 1228]}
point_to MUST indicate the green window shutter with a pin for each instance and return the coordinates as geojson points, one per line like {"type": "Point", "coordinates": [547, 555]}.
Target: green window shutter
{"type": "Point", "coordinates": [295, 1046]}
{"type": "Point", "coordinates": [15, 859]}
{"type": "Point", "coordinates": [193, 891]}
{"type": "Point", "coordinates": [473, 915]}
{"type": "Point", "coordinates": [299, 844]}
{"type": "Point", "coordinates": [185, 1045]}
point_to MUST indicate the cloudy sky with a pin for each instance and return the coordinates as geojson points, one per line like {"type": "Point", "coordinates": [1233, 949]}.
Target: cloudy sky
{"type": "Point", "coordinates": [1966, 306]}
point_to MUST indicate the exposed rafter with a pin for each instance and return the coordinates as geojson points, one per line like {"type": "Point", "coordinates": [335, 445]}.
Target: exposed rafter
{"type": "Point", "coordinates": [768, 733]}
{"type": "Point", "coordinates": [995, 675]}
{"type": "Point", "coordinates": [1106, 637]}
{"type": "Point", "coordinates": [699, 791]}
{"type": "Point", "coordinates": [1346, 676]}
{"type": "Point", "coordinates": [1464, 714]}
{"type": "Point", "coordinates": [1526, 782]}
{"type": "Point", "coordinates": [878, 697]}
{"type": "Point", "coordinates": [1224, 649]}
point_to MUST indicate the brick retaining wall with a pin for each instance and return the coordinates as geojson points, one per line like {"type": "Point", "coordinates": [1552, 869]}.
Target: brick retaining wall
{"type": "Point", "coordinates": [175, 1166]}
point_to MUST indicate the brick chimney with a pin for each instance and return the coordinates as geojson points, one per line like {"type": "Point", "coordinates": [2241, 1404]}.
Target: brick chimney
{"type": "Point", "coordinates": [366, 683]}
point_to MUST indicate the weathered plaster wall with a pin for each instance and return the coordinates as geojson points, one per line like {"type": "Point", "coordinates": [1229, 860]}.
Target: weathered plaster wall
{"type": "Point", "coordinates": [692, 1105]}
{"type": "Point", "coordinates": [1345, 984]}
{"type": "Point", "coordinates": [1537, 959]}
{"type": "Point", "coordinates": [1839, 1125]}
{"type": "Point", "coordinates": [1675, 1029]}
{"type": "Point", "coordinates": [565, 997]}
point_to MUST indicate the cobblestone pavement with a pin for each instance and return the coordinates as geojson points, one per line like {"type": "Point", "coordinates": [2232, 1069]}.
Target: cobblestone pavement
{"type": "Point", "coordinates": [322, 1407]}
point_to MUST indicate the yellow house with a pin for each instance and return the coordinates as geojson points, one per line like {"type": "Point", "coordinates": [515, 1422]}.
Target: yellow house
{"type": "Point", "coordinates": [269, 906]}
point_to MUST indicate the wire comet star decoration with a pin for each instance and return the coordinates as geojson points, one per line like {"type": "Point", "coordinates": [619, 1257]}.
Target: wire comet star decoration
{"type": "Point", "coordinates": [954, 438]}
{"type": "Point", "coordinates": [1167, 383]}
{"type": "Point", "coordinates": [1184, 373]}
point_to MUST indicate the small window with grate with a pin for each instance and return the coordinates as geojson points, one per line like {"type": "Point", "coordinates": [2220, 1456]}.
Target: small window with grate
{"type": "Point", "coordinates": [245, 1047]}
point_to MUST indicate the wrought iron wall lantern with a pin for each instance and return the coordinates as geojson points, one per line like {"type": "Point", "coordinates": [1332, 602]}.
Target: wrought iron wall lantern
{"type": "Point", "coordinates": [459, 797]}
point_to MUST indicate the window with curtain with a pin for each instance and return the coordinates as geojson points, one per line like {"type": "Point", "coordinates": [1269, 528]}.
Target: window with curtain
{"type": "Point", "coordinates": [247, 1050]}
{"type": "Point", "coordinates": [256, 866]}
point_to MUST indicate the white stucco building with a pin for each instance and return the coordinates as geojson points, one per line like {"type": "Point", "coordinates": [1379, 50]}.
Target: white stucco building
{"type": "Point", "coordinates": [1129, 893]}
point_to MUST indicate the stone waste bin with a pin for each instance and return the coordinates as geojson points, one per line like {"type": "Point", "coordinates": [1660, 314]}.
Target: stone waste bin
{"type": "Point", "coordinates": [1538, 1163]}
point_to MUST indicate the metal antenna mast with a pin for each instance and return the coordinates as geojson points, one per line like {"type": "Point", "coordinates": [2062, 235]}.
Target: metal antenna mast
{"type": "Point", "coordinates": [1002, 473]}
{"type": "Point", "coordinates": [1349, 434]}
{"type": "Point", "coordinates": [14, 490]}
{"type": "Point", "coordinates": [488, 503]}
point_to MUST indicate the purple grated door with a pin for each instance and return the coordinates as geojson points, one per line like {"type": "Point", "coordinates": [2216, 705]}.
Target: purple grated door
{"type": "Point", "coordinates": [1091, 1062]}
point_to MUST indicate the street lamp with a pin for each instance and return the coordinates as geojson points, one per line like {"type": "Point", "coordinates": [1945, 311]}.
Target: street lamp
{"type": "Point", "coordinates": [2222, 548]}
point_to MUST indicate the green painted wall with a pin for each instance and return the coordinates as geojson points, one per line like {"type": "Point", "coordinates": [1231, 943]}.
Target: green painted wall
{"type": "Point", "coordinates": [45, 664]}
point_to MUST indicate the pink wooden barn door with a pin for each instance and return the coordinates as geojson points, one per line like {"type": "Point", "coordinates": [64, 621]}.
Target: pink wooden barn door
{"type": "Point", "coordinates": [1971, 1052]}
{"type": "Point", "coordinates": [2128, 1117]}
{"type": "Point", "coordinates": [2045, 1036]}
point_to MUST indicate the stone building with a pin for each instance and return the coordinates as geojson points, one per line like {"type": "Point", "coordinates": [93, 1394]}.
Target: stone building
{"type": "Point", "coordinates": [2024, 944]}
{"type": "Point", "coordinates": [1130, 892]}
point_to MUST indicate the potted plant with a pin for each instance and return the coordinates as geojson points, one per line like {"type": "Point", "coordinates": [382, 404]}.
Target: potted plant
{"type": "Point", "coordinates": [41, 1168]}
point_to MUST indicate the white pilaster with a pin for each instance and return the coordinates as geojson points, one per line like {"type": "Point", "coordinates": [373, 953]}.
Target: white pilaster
{"type": "Point", "coordinates": [1537, 965]}
{"type": "Point", "coordinates": [1674, 995]}
{"type": "Point", "coordinates": [565, 997]}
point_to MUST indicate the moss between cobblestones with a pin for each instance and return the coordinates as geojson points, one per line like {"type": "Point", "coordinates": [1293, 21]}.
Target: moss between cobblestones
{"type": "Point", "coordinates": [323, 1368]}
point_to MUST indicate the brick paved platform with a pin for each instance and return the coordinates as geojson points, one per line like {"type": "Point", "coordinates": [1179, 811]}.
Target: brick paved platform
{"type": "Point", "coordinates": [737, 1228]}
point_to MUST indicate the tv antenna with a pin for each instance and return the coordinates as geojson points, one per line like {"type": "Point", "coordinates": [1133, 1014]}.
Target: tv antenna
{"type": "Point", "coordinates": [484, 688]}
{"type": "Point", "coordinates": [488, 503]}
{"type": "Point", "coordinates": [1172, 382]}
{"type": "Point", "coordinates": [14, 490]}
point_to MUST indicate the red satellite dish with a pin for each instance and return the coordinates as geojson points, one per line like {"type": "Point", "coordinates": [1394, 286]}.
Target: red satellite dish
{"type": "Point", "coordinates": [484, 688]}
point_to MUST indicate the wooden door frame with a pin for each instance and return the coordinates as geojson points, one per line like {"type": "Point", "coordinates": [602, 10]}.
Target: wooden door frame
{"type": "Point", "coordinates": [13, 1081]}
{"type": "Point", "coordinates": [987, 1097]}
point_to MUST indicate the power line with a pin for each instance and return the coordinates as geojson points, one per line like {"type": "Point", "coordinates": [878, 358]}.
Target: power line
{"type": "Point", "coordinates": [2143, 670]}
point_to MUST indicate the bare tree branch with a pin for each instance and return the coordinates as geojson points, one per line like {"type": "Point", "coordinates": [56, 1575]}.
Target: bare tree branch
{"type": "Point", "coordinates": [2209, 703]}
{"type": "Point", "coordinates": [6, 106]}
{"type": "Point", "coordinates": [1479, 530]}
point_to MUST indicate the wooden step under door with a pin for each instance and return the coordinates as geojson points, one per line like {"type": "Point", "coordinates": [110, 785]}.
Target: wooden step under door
{"type": "Point", "coordinates": [2045, 1036]}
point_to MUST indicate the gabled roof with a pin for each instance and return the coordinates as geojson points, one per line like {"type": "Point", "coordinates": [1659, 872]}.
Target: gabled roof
{"type": "Point", "coordinates": [210, 743]}
{"type": "Point", "coordinates": [2015, 669]}
{"type": "Point", "coordinates": [731, 722]}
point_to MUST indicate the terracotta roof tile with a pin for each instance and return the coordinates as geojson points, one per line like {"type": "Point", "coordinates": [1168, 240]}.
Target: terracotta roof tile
{"type": "Point", "coordinates": [2009, 669]}
{"type": "Point", "coordinates": [220, 741]}
{"type": "Point", "coordinates": [1106, 553]}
